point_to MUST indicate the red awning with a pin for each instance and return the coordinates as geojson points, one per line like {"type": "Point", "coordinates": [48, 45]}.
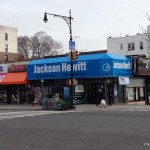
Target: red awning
{"type": "Point", "coordinates": [15, 78]}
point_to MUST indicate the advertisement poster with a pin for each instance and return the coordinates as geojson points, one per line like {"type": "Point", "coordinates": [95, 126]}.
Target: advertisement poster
{"type": "Point", "coordinates": [115, 92]}
{"type": "Point", "coordinates": [66, 92]}
{"type": "Point", "coordinates": [79, 88]}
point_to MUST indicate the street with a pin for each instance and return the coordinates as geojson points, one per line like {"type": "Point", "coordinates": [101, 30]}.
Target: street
{"type": "Point", "coordinates": [74, 130]}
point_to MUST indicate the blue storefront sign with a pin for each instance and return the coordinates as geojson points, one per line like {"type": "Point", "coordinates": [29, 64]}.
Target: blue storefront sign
{"type": "Point", "coordinates": [87, 66]}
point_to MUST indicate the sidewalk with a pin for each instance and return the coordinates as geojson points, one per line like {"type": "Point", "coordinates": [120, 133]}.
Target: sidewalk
{"type": "Point", "coordinates": [91, 107]}
{"type": "Point", "coordinates": [20, 107]}
{"type": "Point", "coordinates": [81, 107]}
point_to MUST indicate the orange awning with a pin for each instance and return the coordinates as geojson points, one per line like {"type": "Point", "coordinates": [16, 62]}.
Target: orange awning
{"type": "Point", "coordinates": [15, 78]}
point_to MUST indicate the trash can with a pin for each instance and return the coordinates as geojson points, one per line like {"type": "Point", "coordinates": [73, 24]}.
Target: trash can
{"type": "Point", "coordinates": [52, 103]}
{"type": "Point", "coordinates": [44, 103]}
{"type": "Point", "coordinates": [48, 103]}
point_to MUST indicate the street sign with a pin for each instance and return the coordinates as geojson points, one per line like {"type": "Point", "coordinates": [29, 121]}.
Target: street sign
{"type": "Point", "coordinates": [124, 80]}
{"type": "Point", "coordinates": [72, 45]}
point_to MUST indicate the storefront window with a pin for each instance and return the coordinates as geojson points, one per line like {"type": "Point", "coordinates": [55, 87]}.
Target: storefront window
{"type": "Point", "coordinates": [3, 95]}
{"type": "Point", "coordinates": [130, 94]}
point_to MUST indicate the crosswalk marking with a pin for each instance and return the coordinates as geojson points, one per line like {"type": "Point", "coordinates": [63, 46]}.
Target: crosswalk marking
{"type": "Point", "coordinates": [19, 114]}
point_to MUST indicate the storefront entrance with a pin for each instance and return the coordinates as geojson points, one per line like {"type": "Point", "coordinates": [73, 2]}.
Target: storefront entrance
{"type": "Point", "coordinates": [3, 94]}
{"type": "Point", "coordinates": [92, 89]}
{"type": "Point", "coordinates": [16, 94]}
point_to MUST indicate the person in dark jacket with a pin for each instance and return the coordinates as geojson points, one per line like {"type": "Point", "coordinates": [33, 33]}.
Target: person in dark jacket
{"type": "Point", "coordinates": [110, 97]}
{"type": "Point", "coordinates": [31, 97]}
{"type": "Point", "coordinates": [99, 97]}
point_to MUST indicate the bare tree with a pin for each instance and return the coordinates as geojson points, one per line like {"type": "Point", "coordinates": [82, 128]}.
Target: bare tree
{"type": "Point", "coordinates": [41, 44]}
{"type": "Point", "coordinates": [146, 32]}
{"type": "Point", "coordinates": [23, 46]}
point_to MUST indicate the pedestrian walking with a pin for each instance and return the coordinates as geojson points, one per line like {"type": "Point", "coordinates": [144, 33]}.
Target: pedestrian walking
{"type": "Point", "coordinates": [110, 97]}
{"type": "Point", "coordinates": [31, 97]}
{"type": "Point", "coordinates": [99, 97]}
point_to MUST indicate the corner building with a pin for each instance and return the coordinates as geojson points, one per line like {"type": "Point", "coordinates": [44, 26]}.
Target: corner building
{"type": "Point", "coordinates": [91, 73]}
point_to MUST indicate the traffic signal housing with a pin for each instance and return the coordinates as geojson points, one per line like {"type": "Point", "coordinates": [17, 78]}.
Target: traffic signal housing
{"type": "Point", "coordinates": [68, 82]}
{"type": "Point", "coordinates": [74, 55]}
{"type": "Point", "coordinates": [74, 82]}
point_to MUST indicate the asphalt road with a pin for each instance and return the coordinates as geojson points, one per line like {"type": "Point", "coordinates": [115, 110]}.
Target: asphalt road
{"type": "Point", "coordinates": [97, 130]}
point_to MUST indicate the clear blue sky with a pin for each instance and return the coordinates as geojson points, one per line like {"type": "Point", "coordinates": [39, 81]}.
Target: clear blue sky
{"type": "Point", "coordinates": [94, 20]}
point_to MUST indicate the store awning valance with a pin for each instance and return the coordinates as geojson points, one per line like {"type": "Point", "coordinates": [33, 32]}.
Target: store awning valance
{"type": "Point", "coordinates": [86, 66]}
{"type": "Point", "coordinates": [15, 78]}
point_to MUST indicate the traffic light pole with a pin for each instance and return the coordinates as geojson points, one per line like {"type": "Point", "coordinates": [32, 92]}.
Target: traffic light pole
{"type": "Point", "coordinates": [68, 21]}
{"type": "Point", "coordinates": [72, 85]}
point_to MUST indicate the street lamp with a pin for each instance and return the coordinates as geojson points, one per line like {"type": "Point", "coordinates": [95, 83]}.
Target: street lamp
{"type": "Point", "coordinates": [68, 21]}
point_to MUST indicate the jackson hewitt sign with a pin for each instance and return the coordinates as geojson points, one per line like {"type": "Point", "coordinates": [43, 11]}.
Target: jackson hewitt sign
{"type": "Point", "coordinates": [64, 67]}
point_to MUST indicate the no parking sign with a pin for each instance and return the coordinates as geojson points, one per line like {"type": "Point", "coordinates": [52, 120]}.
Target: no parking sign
{"type": "Point", "coordinates": [124, 80]}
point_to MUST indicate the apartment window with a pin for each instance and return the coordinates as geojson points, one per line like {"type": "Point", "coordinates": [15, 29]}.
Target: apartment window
{"type": "Point", "coordinates": [141, 45]}
{"type": "Point", "coordinates": [6, 36]}
{"type": "Point", "coordinates": [6, 48]}
{"type": "Point", "coordinates": [132, 46]}
{"type": "Point", "coordinates": [129, 46]}
{"type": "Point", "coordinates": [121, 46]}
{"type": "Point", "coordinates": [6, 58]}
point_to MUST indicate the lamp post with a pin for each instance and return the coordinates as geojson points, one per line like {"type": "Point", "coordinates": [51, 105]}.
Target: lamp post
{"type": "Point", "coordinates": [42, 82]}
{"type": "Point", "coordinates": [68, 21]}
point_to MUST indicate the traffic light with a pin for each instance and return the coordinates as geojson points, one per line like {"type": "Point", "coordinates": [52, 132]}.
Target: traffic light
{"type": "Point", "coordinates": [74, 55]}
{"type": "Point", "coordinates": [68, 82]}
{"type": "Point", "coordinates": [74, 82]}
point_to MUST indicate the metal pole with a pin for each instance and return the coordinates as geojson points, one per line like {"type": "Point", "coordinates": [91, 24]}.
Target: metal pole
{"type": "Point", "coordinates": [68, 21]}
{"type": "Point", "coordinates": [105, 80]}
{"type": "Point", "coordinates": [42, 89]}
{"type": "Point", "coordinates": [42, 101]}
{"type": "Point", "coordinates": [72, 86]}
